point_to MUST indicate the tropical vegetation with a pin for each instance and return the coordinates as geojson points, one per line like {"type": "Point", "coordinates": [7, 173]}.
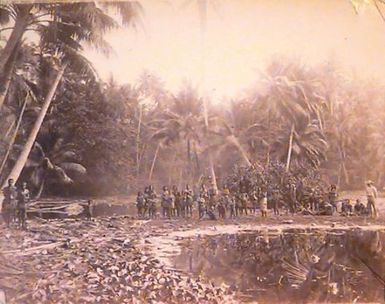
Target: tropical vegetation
{"type": "Point", "coordinates": [66, 131]}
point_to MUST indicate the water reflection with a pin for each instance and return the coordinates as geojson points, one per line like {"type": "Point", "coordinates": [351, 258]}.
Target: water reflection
{"type": "Point", "coordinates": [297, 266]}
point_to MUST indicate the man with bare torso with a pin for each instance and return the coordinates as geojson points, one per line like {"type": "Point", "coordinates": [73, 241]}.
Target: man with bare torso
{"type": "Point", "coordinates": [371, 194]}
{"type": "Point", "coordinates": [9, 202]}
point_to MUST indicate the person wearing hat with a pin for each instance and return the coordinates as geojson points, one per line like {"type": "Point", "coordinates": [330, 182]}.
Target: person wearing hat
{"type": "Point", "coordinates": [371, 194]}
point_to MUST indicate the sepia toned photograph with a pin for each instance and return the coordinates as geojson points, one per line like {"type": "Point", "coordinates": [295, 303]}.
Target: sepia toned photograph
{"type": "Point", "coordinates": [192, 151]}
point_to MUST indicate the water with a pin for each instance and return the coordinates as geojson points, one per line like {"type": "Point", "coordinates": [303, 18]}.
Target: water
{"type": "Point", "coordinates": [296, 266]}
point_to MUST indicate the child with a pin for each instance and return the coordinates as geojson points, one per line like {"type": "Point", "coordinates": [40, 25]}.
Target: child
{"type": "Point", "coordinates": [201, 206]}
{"type": "Point", "coordinates": [88, 210]}
{"type": "Point", "coordinates": [263, 205]}
{"type": "Point", "coordinates": [140, 204]}
{"type": "Point", "coordinates": [152, 208]}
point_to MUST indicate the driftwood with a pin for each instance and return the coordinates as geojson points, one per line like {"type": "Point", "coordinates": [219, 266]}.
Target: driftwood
{"type": "Point", "coordinates": [68, 209]}
{"type": "Point", "coordinates": [31, 250]}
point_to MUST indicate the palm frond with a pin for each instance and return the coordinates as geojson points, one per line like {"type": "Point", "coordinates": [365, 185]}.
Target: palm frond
{"type": "Point", "coordinates": [129, 11]}
{"type": "Point", "coordinates": [71, 167]}
{"type": "Point", "coordinates": [5, 14]}
{"type": "Point", "coordinates": [62, 175]}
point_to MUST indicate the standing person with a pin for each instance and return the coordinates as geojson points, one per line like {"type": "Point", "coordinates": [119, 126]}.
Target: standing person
{"type": "Point", "coordinates": [243, 200]}
{"type": "Point", "coordinates": [231, 205]}
{"type": "Point", "coordinates": [165, 202]}
{"type": "Point", "coordinates": [201, 207]}
{"type": "Point", "coordinates": [263, 205]}
{"type": "Point", "coordinates": [88, 210]}
{"type": "Point", "coordinates": [152, 208]}
{"type": "Point", "coordinates": [293, 197]}
{"type": "Point", "coordinates": [254, 201]}
{"type": "Point", "coordinates": [22, 201]}
{"type": "Point", "coordinates": [140, 204]}
{"type": "Point", "coordinates": [238, 205]}
{"type": "Point", "coordinates": [317, 197]}
{"type": "Point", "coordinates": [222, 207]}
{"type": "Point", "coordinates": [332, 196]}
{"type": "Point", "coordinates": [371, 193]}
{"type": "Point", "coordinates": [150, 201]}
{"type": "Point", "coordinates": [276, 201]}
{"type": "Point", "coordinates": [177, 201]}
{"type": "Point", "coordinates": [9, 202]}
{"type": "Point", "coordinates": [188, 200]}
{"type": "Point", "coordinates": [203, 192]}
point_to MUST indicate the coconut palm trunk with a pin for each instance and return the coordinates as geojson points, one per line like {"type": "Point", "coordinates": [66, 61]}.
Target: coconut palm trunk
{"type": "Point", "coordinates": [154, 161]}
{"type": "Point", "coordinates": [21, 23]}
{"type": "Point", "coordinates": [268, 139]}
{"type": "Point", "coordinates": [6, 76]}
{"type": "Point", "coordinates": [235, 142]}
{"type": "Point", "coordinates": [290, 149]}
{"type": "Point", "coordinates": [138, 141]}
{"type": "Point", "coordinates": [23, 157]}
{"type": "Point", "coordinates": [10, 128]}
{"type": "Point", "coordinates": [12, 141]}
{"type": "Point", "coordinates": [343, 165]}
{"type": "Point", "coordinates": [41, 189]}
{"type": "Point", "coordinates": [202, 5]}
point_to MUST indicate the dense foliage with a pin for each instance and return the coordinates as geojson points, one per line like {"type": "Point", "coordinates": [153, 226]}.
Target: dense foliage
{"type": "Point", "coordinates": [117, 137]}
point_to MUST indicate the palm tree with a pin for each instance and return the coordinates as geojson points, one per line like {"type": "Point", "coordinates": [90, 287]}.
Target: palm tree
{"type": "Point", "coordinates": [293, 99]}
{"type": "Point", "coordinates": [308, 145]}
{"type": "Point", "coordinates": [202, 9]}
{"type": "Point", "coordinates": [78, 22]}
{"type": "Point", "coordinates": [236, 128]}
{"type": "Point", "coordinates": [182, 121]}
{"type": "Point", "coordinates": [85, 20]}
{"type": "Point", "coordinates": [56, 162]}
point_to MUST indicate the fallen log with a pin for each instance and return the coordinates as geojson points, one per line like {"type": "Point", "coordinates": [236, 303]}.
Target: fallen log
{"type": "Point", "coordinates": [27, 251]}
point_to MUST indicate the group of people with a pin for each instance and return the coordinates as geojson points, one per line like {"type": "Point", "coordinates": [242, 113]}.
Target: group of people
{"type": "Point", "coordinates": [329, 204]}
{"type": "Point", "coordinates": [214, 204]}
{"type": "Point", "coordinates": [209, 202]}
{"type": "Point", "coordinates": [173, 203]}
{"type": "Point", "coordinates": [14, 204]}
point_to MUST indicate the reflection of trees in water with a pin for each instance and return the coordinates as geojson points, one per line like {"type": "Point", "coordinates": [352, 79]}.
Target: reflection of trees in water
{"type": "Point", "coordinates": [299, 265]}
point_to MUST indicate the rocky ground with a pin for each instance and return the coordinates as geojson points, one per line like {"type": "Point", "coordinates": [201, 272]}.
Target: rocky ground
{"type": "Point", "coordinates": [123, 260]}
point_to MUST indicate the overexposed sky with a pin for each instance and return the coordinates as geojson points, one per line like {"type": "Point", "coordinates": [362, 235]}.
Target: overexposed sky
{"type": "Point", "coordinates": [242, 37]}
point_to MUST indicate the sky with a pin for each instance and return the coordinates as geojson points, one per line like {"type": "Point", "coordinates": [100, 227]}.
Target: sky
{"type": "Point", "coordinates": [242, 37]}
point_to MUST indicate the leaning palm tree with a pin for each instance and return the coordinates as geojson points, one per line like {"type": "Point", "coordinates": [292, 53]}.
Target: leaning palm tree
{"type": "Point", "coordinates": [87, 21]}
{"type": "Point", "coordinates": [61, 43]}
